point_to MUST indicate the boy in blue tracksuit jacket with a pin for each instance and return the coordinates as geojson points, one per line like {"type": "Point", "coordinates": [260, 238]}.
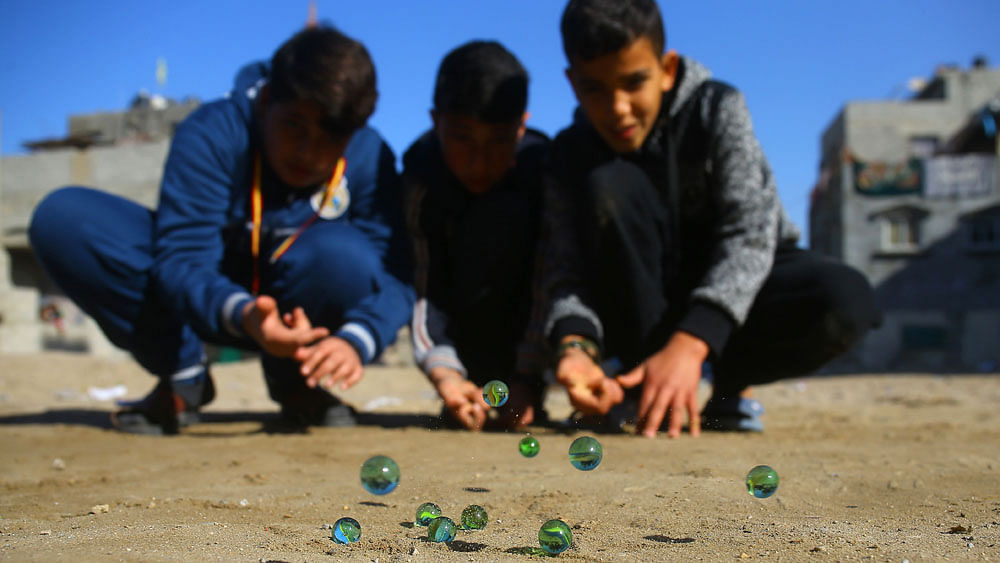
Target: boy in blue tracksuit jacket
{"type": "Point", "coordinates": [278, 229]}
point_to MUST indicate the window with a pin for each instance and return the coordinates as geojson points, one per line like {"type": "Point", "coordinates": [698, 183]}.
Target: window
{"type": "Point", "coordinates": [900, 228]}
{"type": "Point", "coordinates": [900, 232]}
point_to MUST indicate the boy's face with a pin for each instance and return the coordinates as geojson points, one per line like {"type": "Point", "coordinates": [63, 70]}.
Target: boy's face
{"type": "Point", "coordinates": [621, 92]}
{"type": "Point", "coordinates": [300, 151]}
{"type": "Point", "coordinates": [478, 153]}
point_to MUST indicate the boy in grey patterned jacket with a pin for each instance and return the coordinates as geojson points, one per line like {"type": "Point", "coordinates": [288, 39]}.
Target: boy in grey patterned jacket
{"type": "Point", "coordinates": [667, 243]}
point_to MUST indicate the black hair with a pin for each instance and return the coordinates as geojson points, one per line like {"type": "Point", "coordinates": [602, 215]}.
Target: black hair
{"type": "Point", "coordinates": [483, 80]}
{"type": "Point", "coordinates": [325, 66]}
{"type": "Point", "coordinates": [594, 28]}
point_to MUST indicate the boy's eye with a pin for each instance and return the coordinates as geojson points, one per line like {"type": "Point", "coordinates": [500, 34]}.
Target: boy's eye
{"type": "Point", "coordinates": [293, 127]}
{"type": "Point", "coordinates": [590, 86]}
{"type": "Point", "coordinates": [635, 82]}
{"type": "Point", "coordinates": [459, 136]}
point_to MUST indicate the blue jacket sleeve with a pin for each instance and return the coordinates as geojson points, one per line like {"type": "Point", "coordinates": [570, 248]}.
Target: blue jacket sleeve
{"type": "Point", "coordinates": [376, 209]}
{"type": "Point", "coordinates": [195, 195]}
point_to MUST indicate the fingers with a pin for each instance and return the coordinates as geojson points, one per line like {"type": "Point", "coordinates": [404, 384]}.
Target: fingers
{"type": "Point", "coordinates": [656, 409]}
{"type": "Point", "coordinates": [584, 399]}
{"type": "Point", "coordinates": [524, 418]}
{"type": "Point", "coordinates": [471, 416]}
{"type": "Point", "coordinates": [266, 305]}
{"type": "Point", "coordinates": [677, 409]}
{"type": "Point", "coordinates": [299, 319]}
{"type": "Point", "coordinates": [694, 416]}
{"type": "Point", "coordinates": [608, 394]}
{"type": "Point", "coordinates": [329, 362]}
{"type": "Point", "coordinates": [633, 378]}
{"type": "Point", "coordinates": [329, 372]}
{"type": "Point", "coordinates": [314, 334]}
{"type": "Point", "coordinates": [300, 323]}
{"type": "Point", "coordinates": [352, 378]}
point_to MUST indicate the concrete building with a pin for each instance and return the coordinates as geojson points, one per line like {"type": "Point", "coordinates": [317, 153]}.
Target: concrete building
{"type": "Point", "coordinates": [120, 152]}
{"type": "Point", "coordinates": [908, 194]}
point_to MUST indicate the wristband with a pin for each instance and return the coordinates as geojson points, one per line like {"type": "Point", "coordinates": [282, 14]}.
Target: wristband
{"type": "Point", "coordinates": [589, 347]}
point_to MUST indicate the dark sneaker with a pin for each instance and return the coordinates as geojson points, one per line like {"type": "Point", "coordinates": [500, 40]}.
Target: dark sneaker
{"type": "Point", "coordinates": [315, 407]}
{"type": "Point", "coordinates": [732, 414]}
{"type": "Point", "coordinates": [165, 410]}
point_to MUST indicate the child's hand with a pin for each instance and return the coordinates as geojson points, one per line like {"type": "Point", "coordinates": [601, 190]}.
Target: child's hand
{"type": "Point", "coordinates": [279, 336]}
{"type": "Point", "coordinates": [669, 381]}
{"type": "Point", "coordinates": [463, 398]}
{"type": "Point", "coordinates": [329, 362]}
{"type": "Point", "coordinates": [590, 391]}
{"type": "Point", "coordinates": [519, 411]}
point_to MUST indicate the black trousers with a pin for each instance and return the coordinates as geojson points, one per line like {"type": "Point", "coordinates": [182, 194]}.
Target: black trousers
{"type": "Point", "coordinates": [810, 309]}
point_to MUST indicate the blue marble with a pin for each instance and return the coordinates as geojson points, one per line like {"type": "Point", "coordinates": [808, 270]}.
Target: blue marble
{"type": "Point", "coordinates": [555, 537]}
{"type": "Point", "coordinates": [585, 453]}
{"type": "Point", "coordinates": [346, 530]}
{"type": "Point", "coordinates": [762, 481]}
{"type": "Point", "coordinates": [441, 529]}
{"type": "Point", "coordinates": [495, 393]}
{"type": "Point", "coordinates": [380, 475]}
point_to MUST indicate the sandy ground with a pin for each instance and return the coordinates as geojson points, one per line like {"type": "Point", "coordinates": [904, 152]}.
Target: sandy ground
{"type": "Point", "coordinates": [887, 468]}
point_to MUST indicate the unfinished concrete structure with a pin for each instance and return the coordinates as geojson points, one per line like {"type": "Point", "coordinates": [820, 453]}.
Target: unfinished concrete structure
{"type": "Point", "coordinates": [908, 194]}
{"type": "Point", "coordinates": [120, 152]}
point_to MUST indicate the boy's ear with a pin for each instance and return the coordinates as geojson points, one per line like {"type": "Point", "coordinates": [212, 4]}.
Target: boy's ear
{"type": "Point", "coordinates": [522, 128]}
{"type": "Point", "coordinates": [263, 98]}
{"type": "Point", "coordinates": [668, 63]}
{"type": "Point", "coordinates": [570, 76]}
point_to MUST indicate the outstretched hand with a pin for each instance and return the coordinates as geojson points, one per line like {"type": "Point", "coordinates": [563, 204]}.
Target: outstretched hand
{"type": "Point", "coordinates": [463, 398]}
{"type": "Point", "coordinates": [669, 380]}
{"type": "Point", "coordinates": [279, 335]}
{"type": "Point", "coordinates": [590, 391]}
{"type": "Point", "coordinates": [330, 362]}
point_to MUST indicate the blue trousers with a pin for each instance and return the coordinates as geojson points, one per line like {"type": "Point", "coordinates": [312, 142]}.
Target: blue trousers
{"type": "Point", "coordinates": [98, 248]}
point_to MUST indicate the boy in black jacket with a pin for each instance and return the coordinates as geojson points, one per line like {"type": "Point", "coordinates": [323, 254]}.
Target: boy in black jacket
{"type": "Point", "coordinates": [473, 208]}
{"type": "Point", "coordinates": [668, 243]}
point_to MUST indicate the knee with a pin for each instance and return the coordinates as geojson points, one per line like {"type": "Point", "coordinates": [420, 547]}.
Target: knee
{"type": "Point", "coordinates": [849, 305]}
{"type": "Point", "coordinates": [54, 218]}
{"type": "Point", "coordinates": [335, 254]}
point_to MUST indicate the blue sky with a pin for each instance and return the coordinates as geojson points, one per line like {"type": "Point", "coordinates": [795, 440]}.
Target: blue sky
{"type": "Point", "coordinates": [797, 62]}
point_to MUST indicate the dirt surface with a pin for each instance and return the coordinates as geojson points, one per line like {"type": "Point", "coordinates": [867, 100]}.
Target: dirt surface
{"type": "Point", "coordinates": [887, 468]}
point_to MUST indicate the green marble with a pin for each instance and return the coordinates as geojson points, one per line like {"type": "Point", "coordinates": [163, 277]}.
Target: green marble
{"type": "Point", "coordinates": [762, 481]}
{"type": "Point", "coordinates": [425, 513]}
{"type": "Point", "coordinates": [555, 537]}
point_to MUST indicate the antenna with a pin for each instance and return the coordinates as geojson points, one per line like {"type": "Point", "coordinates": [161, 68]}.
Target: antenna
{"type": "Point", "coordinates": [161, 72]}
{"type": "Point", "coordinates": [311, 19]}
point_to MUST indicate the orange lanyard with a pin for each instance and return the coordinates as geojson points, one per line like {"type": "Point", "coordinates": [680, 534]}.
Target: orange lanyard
{"type": "Point", "coordinates": [257, 211]}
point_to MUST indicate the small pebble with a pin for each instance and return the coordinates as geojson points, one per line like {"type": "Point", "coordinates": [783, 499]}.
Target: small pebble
{"type": "Point", "coordinates": [99, 509]}
{"type": "Point", "coordinates": [58, 464]}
